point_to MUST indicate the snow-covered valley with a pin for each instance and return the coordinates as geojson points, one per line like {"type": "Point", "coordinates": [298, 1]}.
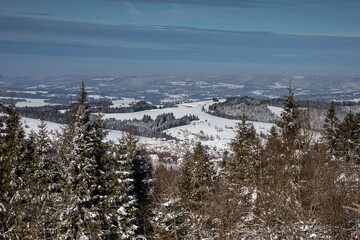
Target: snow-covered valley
{"type": "Point", "coordinates": [212, 131]}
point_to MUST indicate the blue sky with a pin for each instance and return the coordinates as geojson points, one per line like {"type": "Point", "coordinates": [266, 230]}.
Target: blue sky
{"type": "Point", "coordinates": [145, 37]}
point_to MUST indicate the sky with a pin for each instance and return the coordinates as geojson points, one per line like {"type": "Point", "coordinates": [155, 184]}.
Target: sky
{"type": "Point", "coordinates": [147, 37]}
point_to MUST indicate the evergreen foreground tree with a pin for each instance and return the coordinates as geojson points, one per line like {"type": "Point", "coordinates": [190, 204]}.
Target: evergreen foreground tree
{"type": "Point", "coordinates": [245, 163]}
{"type": "Point", "coordinates": [197, 177]}
{"type": "Point", "coordinates": [142, 175]}
{"type": "Point", "coordinates": [196, 187]}
{"type": "Point", "coordinates": [11, 173]}
{"type": "Point", "coordinates": [349, 138]}
{"type": "Point", "coordinates": [243, 176]}
{"type": "Point", "coordinates": [127, 204]}
{"type": "Point", "coordinates": [289, 123]}
{"type": "Point", "coordinates": [39, 180]}
{"type": "Point", "coordinates": [121, 203]}
{"type": "Point", "coordinates": [82, 211]}
{"type": "Point", "coordinates": [169, 218]}
{"type": "Point", "coordinates": [331, 127]}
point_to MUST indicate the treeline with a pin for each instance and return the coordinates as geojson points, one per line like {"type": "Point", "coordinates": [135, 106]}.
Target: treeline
{"type": "Point", "coordinates": [134, 107]}
{"type": "Point", "coordinates": [148, 127]}
{"type": "Point", "coordinates": [257, 110]}
{"type": "Point", "coordinates": [296, 185]}
{"type": "Point", "coordinates": [233, 107]}
{"type": "Point", "coordinates": [57, 113]}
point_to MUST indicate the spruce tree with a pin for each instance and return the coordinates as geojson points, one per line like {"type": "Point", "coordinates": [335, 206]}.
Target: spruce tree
{"type": "Point", "coordinates": [170, 219]}
{"type": "Point", "coordinates": [357, 138]}
{"type": "Point", "coordinates": [142, 174]}
{"type": "Point", "coordinates": [81, 216]}
{"type": "Point", "coordinates": [276, 195]}
{"type": "Point", "coordinates": [196, 187]}
{"type": "Point", "coordinates": [242, 177]}
{"type": "Point", "coordinates": [12, 150]}
{"type": "Point", "coordinates": [39, 180]}
{"type": "Point", "coordinates": [121, 203]}
{"type": "Point", "coordinates": [348, 138]}
{"type": "Point", "coordinates": [244, 165]}
{"type": "Point", "coordinates": [331, 126]}
{"type": "Point", "coordinates": [289, 123]}
{"type": "Point", "coordinates": [197, 177]}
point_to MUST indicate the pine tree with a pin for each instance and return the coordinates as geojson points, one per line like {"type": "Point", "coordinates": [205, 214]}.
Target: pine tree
{"type": "Point", "coordinates": [276, 195]}
{"type": "Point", "coordinates": [285, 185]}
{"type": "Point", "coordinates": [197, 177]}
{"type": "Point", "coordinates": [81, 153]}
{"type": "Point", "coordinates": [243, 169]}
{"type": "Point", "coordinates": [11, 149]}
{"type": "Point", "coordinates": [196, 187]}
{"type": "Point", "coordinates": [170, 219]}
{"type": "Point", "coordinates": [331, 126]}
{"type": "Point", "coordinates": [348, 138]}
{"type": "Point", "coordinates": [42, 163]}
{"type": "Point", "coordinates": [39, 179]}
{"type": "Point", "coordinates": [11, 173]}
{"type": "Point", "coordinates": [357, 138]}
{"type": "Point", "coordinates": [289, 123]}
{"type": "Point", "coordinates": [142, 174]}
{"type": "Point", "coordinates": [244, 165]}
{"type": "Point", "coordinates": [121, 202]}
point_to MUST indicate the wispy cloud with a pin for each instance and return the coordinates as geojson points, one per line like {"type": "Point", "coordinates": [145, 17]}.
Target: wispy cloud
{"type": "Point", "coordinates": [287, 55]}
{"type": "Point", "coordinates": [35, 14]}
{"type": "Point", "coordinates": [228, 3]}
{"type": "Point", "coordinates": [133, 11]}
{"type": "Point", "coordinates": [40, 37]}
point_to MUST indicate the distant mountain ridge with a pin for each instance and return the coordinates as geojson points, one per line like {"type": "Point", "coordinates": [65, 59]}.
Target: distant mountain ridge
{"type": "Point", "coordinates": [179, 88]}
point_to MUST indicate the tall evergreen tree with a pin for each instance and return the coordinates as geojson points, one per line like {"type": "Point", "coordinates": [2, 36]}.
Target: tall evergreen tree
{"type": "Point", "coordinates": [197, 177]}
{"type": "Point", "coordinates": [348, 138]}
{"type": "Point", "coordinates": [170, 217]}
{"type": "Point", "coordinates": [142, 174]}
{"type": "Point", "coordinates": [39, 181]}
{"type": "Point", "coordinates": [289, 123]}
{"type": "Point", "coordinates": [244, 165]}
{"type": "Point", "coordinates": [12, 150]}
{"type": "Point", "coordinates": [196, 187]}
{"type": "Point", "coordinates": [81, 159]}
{"type": "Point", "coordinates": [331, 126]}
{"type": "Point", "coordinates": [121, 202]}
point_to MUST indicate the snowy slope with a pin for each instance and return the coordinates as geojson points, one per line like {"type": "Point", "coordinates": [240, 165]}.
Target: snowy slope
{"type": "Point", "coordinates": [30, 102]}
{"type": "Point", "coordinates": [276, 110]}
{"type": "Point", "coordinates": [219, 131]}
{"type": "Point", "coordinates": [210, 130]}
{"type": "Point", "coordinates": [30, 124]}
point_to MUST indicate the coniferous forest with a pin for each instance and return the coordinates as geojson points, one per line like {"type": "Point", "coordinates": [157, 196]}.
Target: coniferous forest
{"type": "Point", "coordinates": [296, 184]}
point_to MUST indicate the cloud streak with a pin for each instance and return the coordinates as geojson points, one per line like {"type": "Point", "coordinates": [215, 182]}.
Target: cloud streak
{"type": "Point", "coordinates": [24, 13]}
{"type": "Point", "coordinates": [227, 3]}
{"type": "Point", "coordinates": [24, 36]}
{"type": "Point", "coordinates": [133, 10]}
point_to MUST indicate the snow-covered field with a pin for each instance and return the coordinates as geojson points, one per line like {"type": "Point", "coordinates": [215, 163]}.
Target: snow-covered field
{"type": "Point", "coordinates": [30, 102]}
{"type": "Point", "coordinates": [276, 110]}
{"type": "Point", "coordinates": [124, 102]}
{"type": "Point", "coordinates": [210, 130]}
{"type": "Point", "coordinates": [214, 131]}
{"type": "Point", "coordinates": [30, 124]}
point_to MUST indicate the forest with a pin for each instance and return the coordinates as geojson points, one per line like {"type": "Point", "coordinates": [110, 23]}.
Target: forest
{"type": "Point", "coordinates": [296, 184]}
